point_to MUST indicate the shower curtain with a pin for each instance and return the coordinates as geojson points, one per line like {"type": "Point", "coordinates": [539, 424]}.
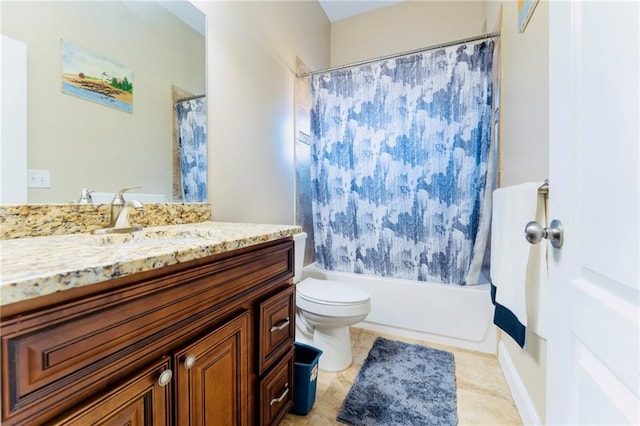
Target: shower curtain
{"type": "Point", "coordinates": [400, 164]}
{"type": "Point", "coordinates": [192, 147]}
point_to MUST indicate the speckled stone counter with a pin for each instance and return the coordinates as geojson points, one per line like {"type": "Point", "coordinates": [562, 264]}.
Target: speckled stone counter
{"type": "Point", "coordinates": [34, 220]}
{"type": "Point", "coordinates": [38, 266]}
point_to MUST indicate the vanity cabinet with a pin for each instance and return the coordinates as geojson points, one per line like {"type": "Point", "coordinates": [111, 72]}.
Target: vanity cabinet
{"type": "Point", "coordinates": [205, 342]}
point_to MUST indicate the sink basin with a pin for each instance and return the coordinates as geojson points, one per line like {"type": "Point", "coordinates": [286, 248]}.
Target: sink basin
{"type": "Point", "coordinates": [132, 236]}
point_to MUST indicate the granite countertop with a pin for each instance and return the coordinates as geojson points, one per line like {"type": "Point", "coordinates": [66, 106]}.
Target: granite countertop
{"type": "Point", "coordinates": [32, 267]}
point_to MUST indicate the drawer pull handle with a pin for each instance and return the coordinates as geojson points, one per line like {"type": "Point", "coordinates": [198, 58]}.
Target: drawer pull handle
{"type": "Point", "coordinates": [281, 397]}
{"type": "Point", "coordinates": [165, 377]}
{"type": "Point", "coordinates": [284, 324]}
{"type": "Point", "coordinates": [189, 361]}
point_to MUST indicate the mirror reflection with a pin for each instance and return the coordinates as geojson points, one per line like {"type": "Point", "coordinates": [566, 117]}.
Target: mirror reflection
{"type": "Point", "coordinates": [84, 143]}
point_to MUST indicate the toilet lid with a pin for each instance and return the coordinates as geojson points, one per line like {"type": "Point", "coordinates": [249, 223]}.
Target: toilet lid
{"type": "Point", "coordinates": [330, 292]}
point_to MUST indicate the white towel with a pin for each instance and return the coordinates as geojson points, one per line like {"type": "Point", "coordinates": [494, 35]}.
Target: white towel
{"type": "Point", "coordinates": [518, 268]}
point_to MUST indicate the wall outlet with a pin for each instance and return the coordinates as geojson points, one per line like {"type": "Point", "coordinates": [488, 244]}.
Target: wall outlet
{"type": "Point", "coordinates": [38, 178]}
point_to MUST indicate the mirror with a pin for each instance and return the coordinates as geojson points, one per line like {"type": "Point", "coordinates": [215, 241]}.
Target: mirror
{"type": "Point", "coordinates": [85, 144]}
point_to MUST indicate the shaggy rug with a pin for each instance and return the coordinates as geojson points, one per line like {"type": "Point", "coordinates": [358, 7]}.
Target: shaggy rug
{"type": "Point", "coordinates": [402, 384]}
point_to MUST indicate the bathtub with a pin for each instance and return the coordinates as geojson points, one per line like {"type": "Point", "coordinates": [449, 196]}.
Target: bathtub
{"type": "Point", "coordinates": [460, 316]}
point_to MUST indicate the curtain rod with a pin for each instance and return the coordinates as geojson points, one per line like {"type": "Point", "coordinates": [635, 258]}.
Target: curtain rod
{"type": "Point", "coordinates": [189, 98]}
{"type": "Point", "coordinates": [397, 55]}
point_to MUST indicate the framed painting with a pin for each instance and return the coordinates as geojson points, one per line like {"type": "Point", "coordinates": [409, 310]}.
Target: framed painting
{"type": "Point", "coordinates": [525, 10]}
{"type": "Point", "coordinates": [95, 78]}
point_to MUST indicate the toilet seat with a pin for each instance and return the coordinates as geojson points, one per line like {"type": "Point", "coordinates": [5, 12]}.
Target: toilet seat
{"type": "Point", "coordinates": [328, 292]}
{"type": "Point", "coordinates": [331, 298]}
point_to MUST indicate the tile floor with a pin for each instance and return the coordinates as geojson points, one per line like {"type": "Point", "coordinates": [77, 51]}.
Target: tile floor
{"type": "Point", "coordinates": [483, 395]}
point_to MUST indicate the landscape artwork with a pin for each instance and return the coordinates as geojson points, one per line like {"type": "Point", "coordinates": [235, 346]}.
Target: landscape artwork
{"type": "Point", "coordinates": [95, 78]}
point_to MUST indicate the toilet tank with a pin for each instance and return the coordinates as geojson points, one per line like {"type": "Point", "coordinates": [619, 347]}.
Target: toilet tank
{"type": "Point", "coordinates": [299, 240]}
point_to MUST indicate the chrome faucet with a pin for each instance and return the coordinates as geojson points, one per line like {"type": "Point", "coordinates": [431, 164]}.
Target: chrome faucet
{"type": "Point", "coordinates": [117, 205]}
{"type": "Point", "coordinates": [122, 220]}
{"type": "Point", "coordinates": [119, 221]}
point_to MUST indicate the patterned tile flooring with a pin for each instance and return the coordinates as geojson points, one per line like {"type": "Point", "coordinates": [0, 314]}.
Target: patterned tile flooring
{"type": "Point", "coordinates": [483, 395]}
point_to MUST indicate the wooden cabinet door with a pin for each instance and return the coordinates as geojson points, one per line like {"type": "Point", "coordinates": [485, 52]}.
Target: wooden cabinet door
{"type": "Point", "coordinates": [140, 401]}
{"type": "Point", "coordinates": [212, 377]}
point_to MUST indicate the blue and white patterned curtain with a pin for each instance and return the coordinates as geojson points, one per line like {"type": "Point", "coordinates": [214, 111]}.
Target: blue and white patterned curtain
{"type": "Point", "coordinates": [192, 146]}
{"type": "Point", "coordinates": [400, 155]}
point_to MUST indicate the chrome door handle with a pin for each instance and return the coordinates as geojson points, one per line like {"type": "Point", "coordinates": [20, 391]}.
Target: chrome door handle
{"type": "Point", "coordinates": [534, 233]}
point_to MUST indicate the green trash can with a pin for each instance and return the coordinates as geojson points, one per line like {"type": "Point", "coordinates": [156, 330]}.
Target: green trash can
{"type": "Point", "coordinates": [305, 360]}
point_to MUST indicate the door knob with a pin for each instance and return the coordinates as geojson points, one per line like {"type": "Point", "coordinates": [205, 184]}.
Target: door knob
{"type": "Point", "coordinates": [534, 233]}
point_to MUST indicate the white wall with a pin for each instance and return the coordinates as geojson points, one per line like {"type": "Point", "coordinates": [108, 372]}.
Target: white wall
{"type": "Point", "coordinates": [524, 94]}
{"type": "Point", "coordinates": [404, 26]}
{"type": "Point", "coordinates": [252, 49]}
{"type": "Point", "coordinates": [524, 126]}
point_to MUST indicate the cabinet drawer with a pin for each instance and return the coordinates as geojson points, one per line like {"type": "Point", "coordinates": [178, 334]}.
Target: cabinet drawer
{"type": "Point", "coordinates": [276, 391]}
{"type": "Point", "coordinates": [277, 327]}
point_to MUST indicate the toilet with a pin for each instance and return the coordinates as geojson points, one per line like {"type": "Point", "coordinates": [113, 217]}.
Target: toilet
{"type": "Point", "coordinates": [324, 311]}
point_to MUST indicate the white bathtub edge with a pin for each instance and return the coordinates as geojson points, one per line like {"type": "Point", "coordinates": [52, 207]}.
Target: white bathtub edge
{"type": "Point", "coordinates": [439, 313]}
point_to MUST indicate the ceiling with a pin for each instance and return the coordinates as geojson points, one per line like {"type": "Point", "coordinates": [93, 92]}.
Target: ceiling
{"type": "Point", "coordinates": [340, 9]}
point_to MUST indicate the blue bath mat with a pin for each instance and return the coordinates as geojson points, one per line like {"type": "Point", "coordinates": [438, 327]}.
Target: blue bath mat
{"type": "Point", "coordinates": [402, 384]}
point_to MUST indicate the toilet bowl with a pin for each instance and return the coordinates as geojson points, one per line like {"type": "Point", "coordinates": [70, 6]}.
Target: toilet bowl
{"type": "Point", "coordinates": [324, 311]}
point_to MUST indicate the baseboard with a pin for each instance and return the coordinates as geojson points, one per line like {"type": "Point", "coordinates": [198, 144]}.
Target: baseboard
{"type": "Point", "coordinates": [523, 402]}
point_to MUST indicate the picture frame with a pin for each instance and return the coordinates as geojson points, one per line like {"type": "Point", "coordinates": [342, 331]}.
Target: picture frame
{"type": "Point", "coordinates": [525, 10]}
{"type": "Point", "coordinates": [90, 76]}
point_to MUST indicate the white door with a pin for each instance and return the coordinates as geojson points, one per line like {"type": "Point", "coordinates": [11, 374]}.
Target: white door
{"type": "Point", "coordinates": [593, 347]}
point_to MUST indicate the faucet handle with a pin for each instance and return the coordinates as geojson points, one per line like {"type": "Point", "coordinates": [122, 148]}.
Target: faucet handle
{"type": "Point", "coordinates": [118, 198]}
{"type": "Point", "coordinates": [85, 197]}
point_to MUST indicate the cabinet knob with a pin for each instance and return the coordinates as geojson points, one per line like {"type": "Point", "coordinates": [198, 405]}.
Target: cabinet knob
{"type": "Point", "coordinates": [165, 377]}
{"type": "Point", "coordinates": [189, 361]}
{"type": "Point", "coordinates": [281, 397]}
{"type": "Point", "coordinates": [280, 326]}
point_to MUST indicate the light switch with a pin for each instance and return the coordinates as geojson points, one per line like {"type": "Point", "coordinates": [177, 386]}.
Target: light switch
{"type": "Point", "coordinates": [38, 178]}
